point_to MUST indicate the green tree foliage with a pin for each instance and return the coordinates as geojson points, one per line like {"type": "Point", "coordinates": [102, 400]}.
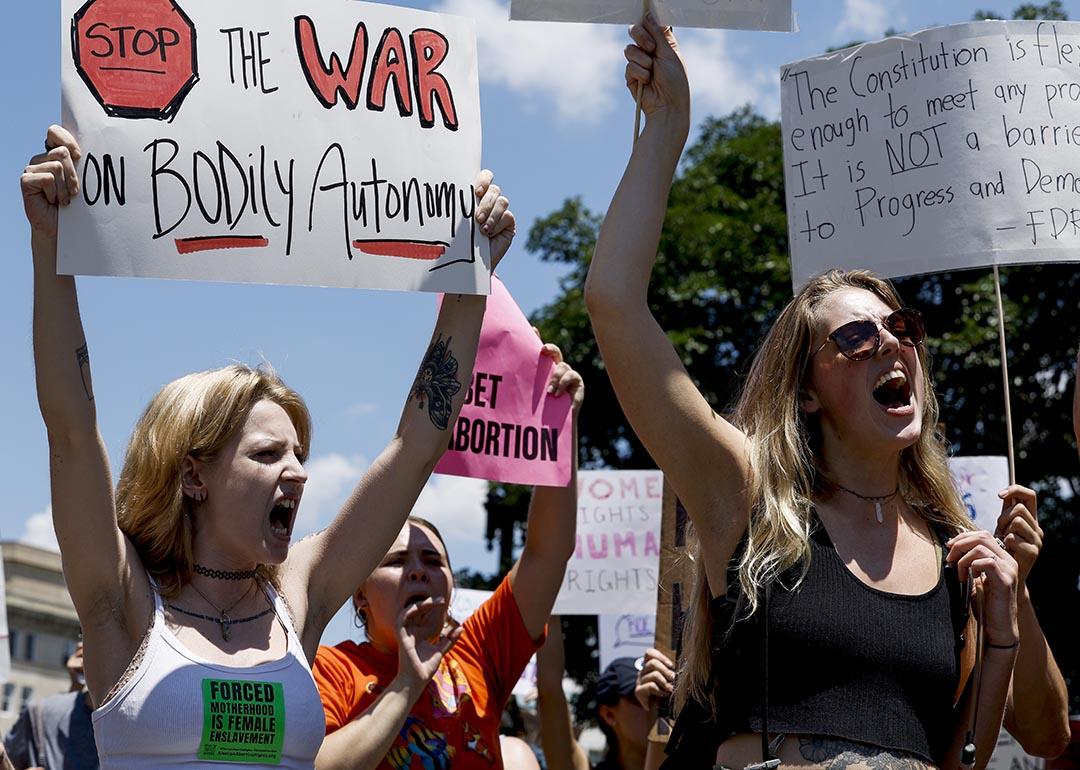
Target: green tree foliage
{"type": "Point", "coordinates": [723, 274]}
{"type": "Point", "coordinates": [1031, 12]}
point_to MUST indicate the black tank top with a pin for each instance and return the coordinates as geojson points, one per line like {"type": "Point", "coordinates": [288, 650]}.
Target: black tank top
{"type": "Point", "coordinates": [845, 660]}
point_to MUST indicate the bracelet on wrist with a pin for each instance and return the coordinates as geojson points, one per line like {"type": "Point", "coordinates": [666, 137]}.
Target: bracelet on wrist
{"type": "Point", "coordinates": [1012, 646]}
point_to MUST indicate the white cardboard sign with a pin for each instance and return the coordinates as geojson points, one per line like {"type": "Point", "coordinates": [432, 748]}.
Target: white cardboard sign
{"type": "Point", "coordinates": [625, 636]}
{"type": "Point", "coordinates": [1010, 755]}
{"type": "Point", "coordinates": [331, 143]}
{"type": "Point", "coordinates": [980, 479]}
{"type": "Point", "coordinates": [773, 15]}
{"type": "Point", "coordinates": [616, 561]}
{"type": "Point", "coordinates": [951, 148]}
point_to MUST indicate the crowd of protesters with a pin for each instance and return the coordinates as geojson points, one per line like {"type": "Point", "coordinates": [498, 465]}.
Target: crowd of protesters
{"type": "Point", "coordinates": [832, 624]}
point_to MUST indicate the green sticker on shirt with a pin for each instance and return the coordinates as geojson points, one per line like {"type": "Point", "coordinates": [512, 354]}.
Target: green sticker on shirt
{"type": "Point", "coordinates": [243, 721]}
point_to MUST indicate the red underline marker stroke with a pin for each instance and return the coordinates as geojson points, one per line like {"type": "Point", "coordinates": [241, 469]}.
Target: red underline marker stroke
{"type": "Point", "coordinates": [212, 243]}
{"type": "Point", "coordinates": [405, 249]}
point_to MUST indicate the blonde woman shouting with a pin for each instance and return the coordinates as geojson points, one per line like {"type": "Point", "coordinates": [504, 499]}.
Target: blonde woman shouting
{"type": "Point", "coordinates": [827, 519]}
{"type": "Point", "coordinates": [200, 616]}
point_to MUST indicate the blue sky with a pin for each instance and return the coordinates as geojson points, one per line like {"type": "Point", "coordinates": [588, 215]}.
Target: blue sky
{"type": "Point", "coordinates": [557, 122]}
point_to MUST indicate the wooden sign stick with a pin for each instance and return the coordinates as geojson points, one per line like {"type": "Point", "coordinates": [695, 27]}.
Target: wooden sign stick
{"type": "Point", "coordinates": [1005, 375]}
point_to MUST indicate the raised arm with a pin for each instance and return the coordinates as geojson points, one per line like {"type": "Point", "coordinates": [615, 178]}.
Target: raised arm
{"type": "Point", "coordinates": [561, 750]}
{"type": "Point", "coordinates": [323, 571]}
{"type": "Point", "coordinates": [552, 523]}
{"type": "Point", "coordinates": [98, 562]}
{"type": "Point", "coordinates": [1037, 712]}
{"type": "Point", "coordinates": [702, 455]}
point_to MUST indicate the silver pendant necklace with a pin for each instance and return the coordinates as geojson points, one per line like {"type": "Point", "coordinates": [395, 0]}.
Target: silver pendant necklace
{"type": "Point", "coordinates": [877, 500]}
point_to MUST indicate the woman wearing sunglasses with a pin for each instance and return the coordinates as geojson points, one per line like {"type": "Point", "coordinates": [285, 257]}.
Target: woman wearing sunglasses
{"type": "Point", "coordinates": [824, 509]}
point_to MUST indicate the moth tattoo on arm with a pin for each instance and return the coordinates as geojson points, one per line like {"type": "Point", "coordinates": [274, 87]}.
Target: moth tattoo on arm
{"type": "Point", "coordinates": [82, 358]}
{"type": "Point", "coordinates": [436, 383]}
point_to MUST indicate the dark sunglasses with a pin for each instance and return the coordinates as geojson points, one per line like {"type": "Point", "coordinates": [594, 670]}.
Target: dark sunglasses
{"type": "Point", "coordinates": [860, 340]}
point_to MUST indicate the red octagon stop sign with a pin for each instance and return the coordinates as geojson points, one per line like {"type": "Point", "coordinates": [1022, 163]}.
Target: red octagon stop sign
{"type": "Point", "coordinates": [137, 57]}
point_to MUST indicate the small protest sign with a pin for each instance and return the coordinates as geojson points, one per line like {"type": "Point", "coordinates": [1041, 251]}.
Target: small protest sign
{"type": "Point", "coordinates": [774, 15]}
{"type": "Point", "coordinates": [625, 636]}
{"type": "Point", "coordinates": [330, 144]}
{"type": "Point", "coordinates": [1010, 755]}
{"type": "Point", "coordinates": [614, 566]}
{"type": "Point", "coordinates": [243, 721]}
{"type": "Point", "coordinates": [980, 479]}
{"type": "Point", "coordinates": [950, 148]}
{"type": "Point", "coordinates": [510, 429]}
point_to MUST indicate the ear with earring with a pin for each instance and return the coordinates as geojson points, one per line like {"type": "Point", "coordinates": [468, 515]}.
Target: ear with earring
{"type": "Point", "coordinates": [190, 483]}
{"type": "Point", "coordinates": [359, 620]}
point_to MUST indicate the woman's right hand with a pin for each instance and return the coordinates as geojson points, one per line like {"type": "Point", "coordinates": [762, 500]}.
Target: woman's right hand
{"type": "Point", "coordinates": [978, 554]}
{"type": "Point", "coordinates": [49, 180]}
{"type": "Point", "coordinates": [656, 679]}
{"type": "Point", "coordinates": [653, 61]}
{"type": "Point", "coordinates": [425, 633]}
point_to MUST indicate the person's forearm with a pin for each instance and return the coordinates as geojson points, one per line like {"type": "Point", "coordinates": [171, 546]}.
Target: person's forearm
{"type": "Point", "coordinates": [362, 743]}
{"type": "Point", "coordinates": [1038, 714]}
{"type": "Point", "coordinates": [997, 665]}
{"type": "Point", "coordinates": [443, 378]}
{"type": "Point", "coordinates": [552, 710]}
{"type": "Point", "coordinates": [626, 247]}
{"type": "Point", "coordinates": [654, 755]}
{"type": "Point", "coordinates": [556, 731]}
{"type": "Point", "coordinates": [552, 520]}
{"type": "Point", "coordinates": [61, 360]}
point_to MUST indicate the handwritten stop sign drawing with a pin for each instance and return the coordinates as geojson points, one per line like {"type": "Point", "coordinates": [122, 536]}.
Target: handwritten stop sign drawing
{"type": "Point", "coordinates": [137, 57]}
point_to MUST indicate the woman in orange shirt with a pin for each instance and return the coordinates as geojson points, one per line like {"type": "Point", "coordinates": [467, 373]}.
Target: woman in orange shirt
{"type": "Point", "coordinates": [422, 691]}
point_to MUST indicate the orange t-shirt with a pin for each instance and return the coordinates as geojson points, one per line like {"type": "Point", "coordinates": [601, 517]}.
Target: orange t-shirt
{"type": "Point", "coordinates": [455, 722]}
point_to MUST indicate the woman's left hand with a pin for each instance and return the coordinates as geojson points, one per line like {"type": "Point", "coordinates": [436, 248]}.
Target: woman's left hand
{"type": "Point", "coordinates": [494, 216]}
{"type": "Point", "coordinates": [979, 555]}
{"type": "Point", "coordinates": [563, 378]}
{"type": "Point", "coordinates": [1018, 527]}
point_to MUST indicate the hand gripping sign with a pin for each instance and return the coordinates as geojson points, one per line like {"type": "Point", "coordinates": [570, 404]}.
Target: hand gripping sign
{"type": "Point", "coordinates": [331, 143]}
{"type": "Point", "coordinates": [510, 429]}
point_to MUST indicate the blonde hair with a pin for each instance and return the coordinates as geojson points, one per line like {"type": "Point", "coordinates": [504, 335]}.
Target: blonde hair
{"type": "Point", "coordinates": [787, 471]}
{"type": "Point", "coordinates": [195, 415]}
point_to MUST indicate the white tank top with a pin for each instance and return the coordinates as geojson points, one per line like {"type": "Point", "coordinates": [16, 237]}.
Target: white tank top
{"type": "Point", "coordinates": [179, 710]}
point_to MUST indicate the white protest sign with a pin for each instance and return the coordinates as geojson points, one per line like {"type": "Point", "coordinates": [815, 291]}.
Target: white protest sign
{"type": "Point", "coordinates": [625, 636]}
{"type": "Point", "coordinates": [980, 479]}
{"type": "Point", "coordinates": [463, 603]}
{"type": "Point", "coordinates": [774, 15]}
{"type": "Point", "coordinates": [1010, 755]}
{"type": "Point", "coordinates": [331, 143]}
{"type": "Point", "coordinates": [951, 148]}
{"type": "Point", "coordinates": [617, 557]}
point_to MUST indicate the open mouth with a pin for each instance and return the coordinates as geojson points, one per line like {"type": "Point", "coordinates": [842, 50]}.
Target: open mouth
{"type": "Point", "coordinates": [415, 598]}
{"type": "Point", "coordinates": [892, 390]}
{"type": "Point", "coordinates": [282, 517]}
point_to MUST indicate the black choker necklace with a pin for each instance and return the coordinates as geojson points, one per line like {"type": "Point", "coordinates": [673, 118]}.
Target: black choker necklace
{"type": "Point", "coordinates": [877, 500]}
{"type": "Point", "coordinates": [219, 574]}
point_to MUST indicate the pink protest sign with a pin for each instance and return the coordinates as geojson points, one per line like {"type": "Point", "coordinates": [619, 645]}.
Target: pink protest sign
{"type": "Point", "coordinates": [510, 429]}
